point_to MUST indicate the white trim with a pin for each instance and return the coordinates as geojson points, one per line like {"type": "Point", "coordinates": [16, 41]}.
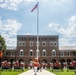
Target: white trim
{"type": "Point", "coordinates": [31, 43]}
{"type": "Point", "coordinates": [31, 50]}
{"type": "Point", "coordinates": [52, 43]}
{"type": "Point", "coordinates": [21, 43]}
{"type": "Point", "coordinates": [43, 42]}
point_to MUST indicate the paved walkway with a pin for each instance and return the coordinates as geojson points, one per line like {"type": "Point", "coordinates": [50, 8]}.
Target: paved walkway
{"type": "Point", "coordinates": [31, 72]}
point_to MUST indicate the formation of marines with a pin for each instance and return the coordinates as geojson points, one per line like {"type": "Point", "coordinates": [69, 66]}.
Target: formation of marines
{"type": "Point", "coordinates": [36, 65]}
{"type": "Point", "coordinates": [5, 65]}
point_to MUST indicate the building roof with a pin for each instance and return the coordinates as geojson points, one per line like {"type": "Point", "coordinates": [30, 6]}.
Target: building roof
{"type": "Point", "coordinates": [11, 48]}
{"type": "Point", "coordinates": [67, 47]}
{"type": "Point", "coordinates": [38, 35]}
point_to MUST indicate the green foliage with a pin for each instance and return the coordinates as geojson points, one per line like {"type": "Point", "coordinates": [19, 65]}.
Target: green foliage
{"type": "Point", "coordinates": [74, 52]}
{"type": "Point", "coordinates": [65, 72]}
{"type": "Point", "coordinates": [2, 43]}
{"type": "Point", "coordinates": [12, 72]}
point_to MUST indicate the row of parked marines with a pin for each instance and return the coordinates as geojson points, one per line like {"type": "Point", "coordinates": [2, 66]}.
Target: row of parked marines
{"type": "Point", "coordinates": [21, 65]}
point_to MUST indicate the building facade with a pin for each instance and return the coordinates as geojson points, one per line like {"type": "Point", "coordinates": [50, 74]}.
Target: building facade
{"type": "Point", "coordinates": [67, 53]}
{"type": "Point", "coordinates": [49, 49]}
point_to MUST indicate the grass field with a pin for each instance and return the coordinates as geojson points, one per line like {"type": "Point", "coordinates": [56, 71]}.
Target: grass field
{"type": "Point", "coordinates": [12, 72]}
{"type": "Point", "coordinates": [59, 72]}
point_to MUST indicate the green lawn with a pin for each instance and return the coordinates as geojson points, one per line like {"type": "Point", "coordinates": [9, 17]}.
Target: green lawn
{"type": "Point", "coordinates": [59, 72]}
{"type": "Point", "coordinates": [12, 72]}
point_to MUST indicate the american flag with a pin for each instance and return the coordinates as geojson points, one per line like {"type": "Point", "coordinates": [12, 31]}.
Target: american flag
{"type": "Point", "coordinates": [34, 7]}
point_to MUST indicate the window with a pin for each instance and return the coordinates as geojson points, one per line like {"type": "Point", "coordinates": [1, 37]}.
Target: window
{"type": "Point", "coordinates": [31, 52]}
{"type": "Point", "coordinates": [21, 52]}
{"type": "Point", "coordinates": [50, 39]}
{"type": "Point", "coordinates": [43, 43]}
{"type": "Point", "coordinates": [7, 53]}
{"type": "Point", "coordinates": [21, 43]}
{"type": "Point", "coordinates": [39, 39]}
{"type": "Point", "coordinates": [44, 53]}
{"type": "Point", "coordinates": [53, 52]}
{"type": "Point", "coordinates": [12, 53]}
{"type": "Point", "coordinates": [32, 38]}
{"type": "Point", "coordinates": [68, 53]}
{"type": "Point", "coordinates": [61, 53]}
{"type": "Point", "coordinates": [43, 39]}
{"type": "Point", "coordinates": [53, 43]}
{"type": "Point", "coordinates": [31, 43]}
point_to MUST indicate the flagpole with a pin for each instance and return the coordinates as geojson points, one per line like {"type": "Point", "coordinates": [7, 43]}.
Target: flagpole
{"type": "Point", "coordinates": [37, 30]}
{"type": "Point", "coordinates": [37, 7]}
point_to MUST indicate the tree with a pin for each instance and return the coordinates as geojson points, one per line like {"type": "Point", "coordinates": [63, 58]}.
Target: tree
{"type": "Point", "coordinates": [2, 47]}
{"type": "Point", "coordinates": [74, 52]}
{"type": "Point", "coordinates": [2, 44]}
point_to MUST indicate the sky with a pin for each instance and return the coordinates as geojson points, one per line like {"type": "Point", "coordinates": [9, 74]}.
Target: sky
{"type": "Point", "coordinates": [56, 17]}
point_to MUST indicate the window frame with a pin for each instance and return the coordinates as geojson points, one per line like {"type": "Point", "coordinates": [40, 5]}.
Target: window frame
{"type": "Point", "coordinates": [44, 52]}
{"type": "Point", "coordinates": [21, 54]}
{"type": "Point", "coordinates": [53, 52]}
{"type": "Point", "coordinates": [31, 43]}
{"type": "Point", "coordinates": [31, 51]}
{"type": "Point", "coordinates": [21, 43]}
{"type": "Point", "coordinates": [61, 53]}
{"type": "Point", "coordinates": [12, 54]}
{"type": "Point", "coordinates": [67, 53]}
{"type": "Point", "coordinates": [43, 43]}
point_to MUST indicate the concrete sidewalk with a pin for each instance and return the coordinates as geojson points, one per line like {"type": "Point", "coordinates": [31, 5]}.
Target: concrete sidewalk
{"type": "Point", "coordinates": [31, 72]}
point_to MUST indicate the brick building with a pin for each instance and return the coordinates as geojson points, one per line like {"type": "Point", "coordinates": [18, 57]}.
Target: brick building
{"type": "Point", "coordinates": [67, 53]}
{"type": "Point", "coordinates": [49, 49]}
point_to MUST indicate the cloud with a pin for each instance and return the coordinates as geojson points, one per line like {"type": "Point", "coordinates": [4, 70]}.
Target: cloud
{"type": "Point", "coordinates": [68, 34]}
{"type": "Point", "coordinates": [9, 4]}
{"type": "Point", "coordinates": [28, 34]}
{"type": "Point", "coordinates": [29, 1]}
{"type": "Point", "coordinates": [13, 4]}
{"type": "Point", "coordinates": [64, 41]}
{"type": "Point", "coordinates": [72, 20]}
{"type": "Point", "coordinates": [53, 25]}
{"type": "Point", "coordinates": [8, 29]}
{"type": "Point", "coordinates": [61, 2]}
